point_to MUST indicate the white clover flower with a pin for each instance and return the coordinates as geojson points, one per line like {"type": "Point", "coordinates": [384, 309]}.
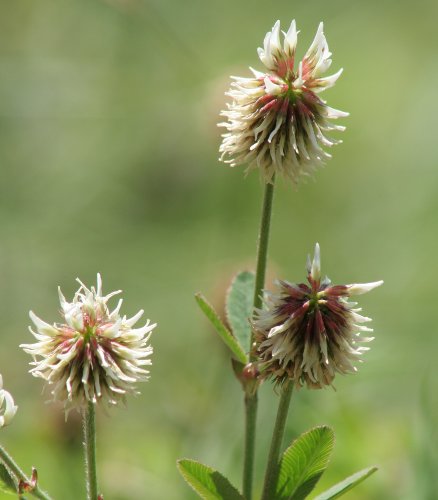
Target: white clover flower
{"type": "Point", "coordinates": [7, 406]}
{"type": "Point", "coordinates": [95, 354]}
{"type": "Point", "coordinates": [276, 120]}
{"type": "Point", "coordinates": [308, 333]}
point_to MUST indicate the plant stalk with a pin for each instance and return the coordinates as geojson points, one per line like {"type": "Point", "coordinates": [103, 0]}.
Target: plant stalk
{"type": "Point", "coordinates": [13, 467]}
{"type": "Point", "coordinates": [262, 248]}
{"type": "Point", "coordinates": [89, 421]}
{"type": "Point", "coordinates": [277, 438]}
{"type": "Point", "coordinates": [251, 399]}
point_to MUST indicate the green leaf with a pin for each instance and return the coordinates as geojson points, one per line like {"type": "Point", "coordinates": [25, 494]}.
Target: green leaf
{"type": "Point", "coordinates": [208, 483]}
{"type": "Point", "coordinates": [7, 484]}
{"type": "Point", "coordinates": [221, 329]}
{"type": "Point", "coordinates": [303, 463]}
{"type": "Point", "coordinates": [239, 307]}
{"type": "Point", "coordinates": [339, 489]}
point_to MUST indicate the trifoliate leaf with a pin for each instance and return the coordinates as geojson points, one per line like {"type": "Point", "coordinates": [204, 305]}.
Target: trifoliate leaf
{"type": "Point", "coordinates": [239, 307]}
{"type": "Point", "coordinates": [303, 463]}
{"type": "Point", "coordinates": [208, 483]}
{"type": "Point", "coordinates": [347, 484]}
{"type": "Point", "coordinates": [221, 329]}
{"type": "Point", "coordinates": [7, 484]}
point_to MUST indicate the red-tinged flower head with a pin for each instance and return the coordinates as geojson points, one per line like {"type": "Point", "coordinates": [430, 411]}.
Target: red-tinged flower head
{"type": "Point", "coordinates": [95, 354]}
{"type": "Point", "coordinates": [309, 332]}
{"type": "Point", "coordinates": [276, 121]}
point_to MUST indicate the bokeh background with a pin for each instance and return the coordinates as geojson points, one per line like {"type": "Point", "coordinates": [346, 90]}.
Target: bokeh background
{"type": "Point", "coordinates": [108, 162]}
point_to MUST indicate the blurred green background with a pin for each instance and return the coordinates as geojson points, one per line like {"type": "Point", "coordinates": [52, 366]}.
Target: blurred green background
{"type": "Point", "coordinates": [108, 162]}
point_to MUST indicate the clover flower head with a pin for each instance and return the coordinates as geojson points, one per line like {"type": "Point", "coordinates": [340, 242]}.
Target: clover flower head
{"type": "Point", "coordinates": [95, 355]}
{"type": "Point", "coordinates": [309, 332]}
{"type": "Point", "coordinates": [276, 121]}
{"type": "Point", "coordinates": [7, 406]}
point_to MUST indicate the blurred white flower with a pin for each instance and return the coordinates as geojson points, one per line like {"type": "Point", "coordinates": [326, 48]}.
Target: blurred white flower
{"type": "Point", "coordinates": [308, 333]}
{"type": "Point", "coordinates": [276, 120]}
{"type": "Point", "coordinates": [7, 406]}
{"type": "Point", "coordinates": [95, 354]}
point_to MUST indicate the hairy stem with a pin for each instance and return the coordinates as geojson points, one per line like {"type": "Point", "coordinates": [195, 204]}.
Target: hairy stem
{"type": "Point", "coordinates": [251, 399]}
{"type": "Point", "coordinates": [262, 248]}
{"type": "Point", "coordinates": [13, 467]}
{"type": "Point", "coordinates": [277, 438]}
{"type": "Point", "coordinates": [250, 432]}
{"type": "Point", "coordinates": [89, 421]}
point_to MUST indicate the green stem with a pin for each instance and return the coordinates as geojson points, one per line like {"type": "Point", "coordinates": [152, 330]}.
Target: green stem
{"type": "Point", "coordinates": [262, 248]}
{"type": "Point", "coordinates": [250, 432]}
{"type": "Point", "coordinates": [13, 467]}
{"type": "Point", "coordinates": [89, 421]}
{"type": "Point", "coordinates": [251, 400]}
{"type": "Point", "coordinates": [277, 438]}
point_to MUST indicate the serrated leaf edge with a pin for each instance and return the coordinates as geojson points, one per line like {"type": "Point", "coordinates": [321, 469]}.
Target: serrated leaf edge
{"type": "Point", "coordinates": [294, 443]}
{"type": "Point", "coordinates": [184, 474]}
{"type": "Point", "coordinates": [229, 290]}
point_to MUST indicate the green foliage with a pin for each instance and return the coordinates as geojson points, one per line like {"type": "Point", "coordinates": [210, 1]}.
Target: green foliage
{"type": "Point", "coordinates": [221, 329]}
{"type": "Point", "coordinates": [208, 483]}
{"type": "Point", "coordinates": [168, 214]}
{"type": "Point", "coordinates": [347, 484]}
{"type": "Point", "coordinates": [7, 484]}
{"type": "Point", "coordinates": [239, 307]}
{"type": "Point", "coordinates": [303, 463]}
